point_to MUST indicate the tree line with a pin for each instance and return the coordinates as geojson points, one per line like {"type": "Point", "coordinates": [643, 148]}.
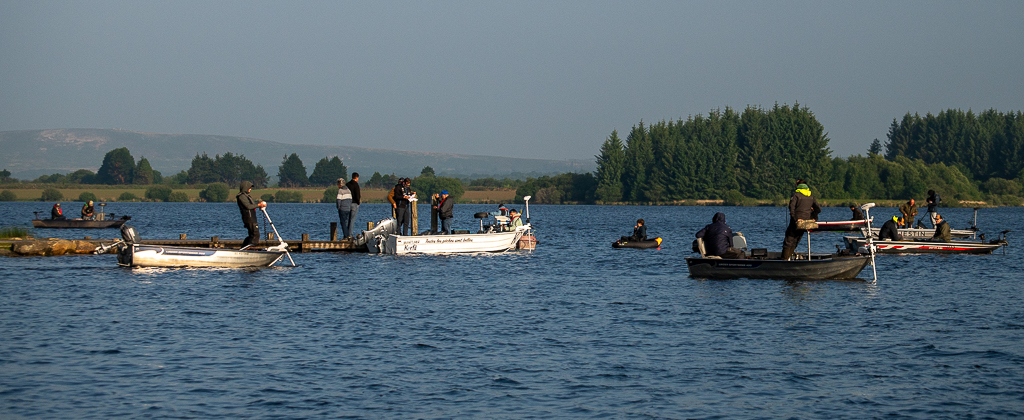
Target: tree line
{"type": "Point", "coordinates": [757, 154]}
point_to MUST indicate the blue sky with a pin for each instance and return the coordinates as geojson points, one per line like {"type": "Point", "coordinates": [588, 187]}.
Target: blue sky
{"type": "Point", "coordinates": [523, 79]}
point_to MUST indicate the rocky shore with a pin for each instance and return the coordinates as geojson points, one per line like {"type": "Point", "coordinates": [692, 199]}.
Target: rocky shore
{"type": "Point", "coordinates": [46, 247]}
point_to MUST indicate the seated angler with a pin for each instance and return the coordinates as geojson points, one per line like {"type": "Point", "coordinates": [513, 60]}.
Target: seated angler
{"type": "Point", "coordinates": [88, 211]}
{"type": "Point", "coordinates": [890, 230]}
{"type": "Point", "coordinates": [718, 239]}
{"type": "Point", "coordinates": [639, 232]}
{"type": "Point", "coordinates": [857, 214]}
{"type": "Point", "coordinates": [941, 230]}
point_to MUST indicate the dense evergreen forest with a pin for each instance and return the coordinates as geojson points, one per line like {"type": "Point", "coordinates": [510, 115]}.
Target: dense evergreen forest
{"type": "Point", "coordinates": [758, 154]}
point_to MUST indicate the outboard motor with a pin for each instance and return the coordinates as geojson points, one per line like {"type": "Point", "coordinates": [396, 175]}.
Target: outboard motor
{"type": "Point", "coordinates": [129, 234]}
{"type": "Point", "coordinates": [739, 241]}
{"type": "Point", "coordinates": [373, 237]}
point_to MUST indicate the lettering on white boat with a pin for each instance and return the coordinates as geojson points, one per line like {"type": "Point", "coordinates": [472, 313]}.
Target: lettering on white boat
{"type": "Point", "coordinates": [449, 240]}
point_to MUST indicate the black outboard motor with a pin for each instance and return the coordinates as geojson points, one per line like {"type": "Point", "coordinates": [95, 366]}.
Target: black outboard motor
{"type": "Point", "coordinates": [129, 234]}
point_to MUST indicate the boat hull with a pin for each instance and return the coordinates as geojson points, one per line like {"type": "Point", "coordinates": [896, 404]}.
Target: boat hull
{"type": "Point", "coordinates": [854, 243]}
{"type": "Point", "coordinates": [925, 233]}
{"type": "Point", "coordinates": [140, 255]}
{"type": "Point", "coordinates": [77, 224]}
{"type": "Point", "coordinates": [653, 243]}
{"type": "Point", "coordinates": [446, 244]}
{"type": "Point", "coordinates": [838, 268]}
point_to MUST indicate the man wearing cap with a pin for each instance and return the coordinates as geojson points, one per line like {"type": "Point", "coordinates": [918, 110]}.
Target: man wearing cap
{"type": "Point", "coordinates": [56, 213]}
{"type": "Point", "coordinates": [344, 203]}
{"type": "Point", "coordinates": [88, 211]}
{"type": "Point", "coordinates": [445, 212]}
{"type": "Point", "coordinates": [801, 207]}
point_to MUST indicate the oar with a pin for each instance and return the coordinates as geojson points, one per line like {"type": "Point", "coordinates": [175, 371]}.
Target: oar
{"type": "Point", "coordinates": [279, 240]}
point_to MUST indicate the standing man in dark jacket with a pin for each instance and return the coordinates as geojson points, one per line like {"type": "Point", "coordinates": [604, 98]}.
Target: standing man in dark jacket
{"type": "Point", "coordinates": [909, 211]}
{"type": "Point", "coordinates": [353, 188]}
{"type": "Point", "coordinates": [933, 207]}
{"type": "Point", "coordinates": [247, 206]}
{"type": "Point", "coordinates": [890, 231]}
{"type": "Point", "coordinates": [718, 238]}
{"type": "Point", "coordinates": [445, 212]}
{"type": "Point", "coordinates": [402, 194]}
{"type": "Point", "coordinates": [801, 207]}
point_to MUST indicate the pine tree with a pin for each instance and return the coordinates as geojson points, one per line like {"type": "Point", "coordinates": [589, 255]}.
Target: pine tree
{"type": "Point", "coordinates": [327, 171]}
{"type": "Point", "coordinates": [610, 167]}
{"type": "Point", "coordinates": [292, 173]}
{"type": "Point", "coordinates": [118, 167]}
{"type": "Point", "coordinates": [143, 173]}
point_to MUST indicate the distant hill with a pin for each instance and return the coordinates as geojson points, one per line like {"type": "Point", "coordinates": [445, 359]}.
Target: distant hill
{"type": "Point", "coordinates": [31, 153]}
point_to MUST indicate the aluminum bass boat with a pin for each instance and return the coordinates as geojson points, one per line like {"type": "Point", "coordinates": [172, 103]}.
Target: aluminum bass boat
{"type": "Point", "coordinates": [761, 264]}
{"type": "Point", "coordinates": [924, 246]}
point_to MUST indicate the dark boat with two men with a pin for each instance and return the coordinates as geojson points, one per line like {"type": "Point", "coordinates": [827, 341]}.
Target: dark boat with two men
{"type": "Point", "coordinates": [762, 264]}
{"type": "Point", "coordinates": [100, 221]}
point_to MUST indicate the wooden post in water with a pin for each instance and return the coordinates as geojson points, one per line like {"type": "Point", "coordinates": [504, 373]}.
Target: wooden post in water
{"type": "Point", "coordinates": [334, 231]}
{"type": "Point", "coordinates": [415, 218]}
{"type": "Point", "coordinates": [213, 241]}
{"type": "Point", "coordinates": [183, 236]}
{"type": "Point", "coordinates": [302, 245]}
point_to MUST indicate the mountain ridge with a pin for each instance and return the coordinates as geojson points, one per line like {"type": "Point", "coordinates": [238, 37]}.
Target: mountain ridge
{"type": "Point", "coordinates": [31, 153]}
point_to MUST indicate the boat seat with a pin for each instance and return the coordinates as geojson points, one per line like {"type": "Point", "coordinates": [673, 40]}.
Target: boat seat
{"type": "Point", "coordinates": [703, 252]}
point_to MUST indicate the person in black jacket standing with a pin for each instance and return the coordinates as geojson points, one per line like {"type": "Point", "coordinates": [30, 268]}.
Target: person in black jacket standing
{"type": "Point", "coordinates": [445, 212]}
{"type": "Point", "coordinates": [247, 206]}
{"type": "Point", "coordinates": [353, 188]}
{"type": "Point", "coordinates": [802, 206]}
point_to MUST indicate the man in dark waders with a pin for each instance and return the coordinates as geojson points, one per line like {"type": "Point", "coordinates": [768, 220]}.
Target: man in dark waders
{"type": "Point", "coordinates": [802, 207]}
{"type": "Point", "coordinates": [248, 208]}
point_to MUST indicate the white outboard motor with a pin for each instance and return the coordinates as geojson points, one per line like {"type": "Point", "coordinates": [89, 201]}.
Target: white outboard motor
{"type": "Point", "coordinates": [739, 241]}
{"type": "Point", "coordinates": [372, 238]}
{"type": "Point", "coordinates": [129, 234]}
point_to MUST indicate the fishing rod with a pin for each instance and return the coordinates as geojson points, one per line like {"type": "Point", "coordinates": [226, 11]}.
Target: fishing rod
{"type": "Point", "coordinates": [282, 243]}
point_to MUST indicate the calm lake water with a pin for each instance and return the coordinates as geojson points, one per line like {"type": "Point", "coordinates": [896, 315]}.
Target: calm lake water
{"type": "Point", "coordinates": [574, 329]}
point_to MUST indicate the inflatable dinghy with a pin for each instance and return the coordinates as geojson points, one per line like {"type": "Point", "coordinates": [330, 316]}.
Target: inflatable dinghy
{"type": "Point", "coordinates": [650, 243]}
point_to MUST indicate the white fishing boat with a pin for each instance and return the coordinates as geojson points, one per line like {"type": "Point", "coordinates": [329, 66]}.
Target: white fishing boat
{"type": "Point", "coordinates": [141, 255]}
{"type": "Point", "coordinates": [495, 236]}
{"type": "Point", "coordinates": [132, 253]}
{"type": "Point", "coordinates": [919, 241]}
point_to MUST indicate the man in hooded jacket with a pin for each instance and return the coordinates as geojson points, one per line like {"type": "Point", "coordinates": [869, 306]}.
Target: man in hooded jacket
{"type": "Point", "coordinates": [718, 238]}
{"type": "Point", "coordinates": [247, 206]}
{"type": "Point", "coordinates": [801, 207]}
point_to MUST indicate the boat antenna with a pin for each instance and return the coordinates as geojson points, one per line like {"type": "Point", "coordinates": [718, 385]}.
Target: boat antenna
{"type": "Point", "coordinates": [279, 240]}
{"type": "Point", "coordinates": [527, 200]}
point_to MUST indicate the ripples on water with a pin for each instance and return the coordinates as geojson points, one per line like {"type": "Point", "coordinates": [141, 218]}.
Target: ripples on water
{"type": "Point", "coordinates": [573, 329]}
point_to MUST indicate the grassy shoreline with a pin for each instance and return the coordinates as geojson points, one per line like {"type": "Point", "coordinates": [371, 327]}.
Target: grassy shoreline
{"type": "Point", "coordinates": [109, 193]}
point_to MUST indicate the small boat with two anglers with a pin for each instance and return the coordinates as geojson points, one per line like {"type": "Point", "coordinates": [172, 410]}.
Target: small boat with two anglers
{"type": "Point", "coordinates": [762, 264]}
{"type": "Point", "coordinates": [920, 240]}
{"type": "Point", "coordinates": [132, 253]}
{"type": "Point", "coordinates": [501, 234]}
{"type": "Point", "coordinates": [100, 221]}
